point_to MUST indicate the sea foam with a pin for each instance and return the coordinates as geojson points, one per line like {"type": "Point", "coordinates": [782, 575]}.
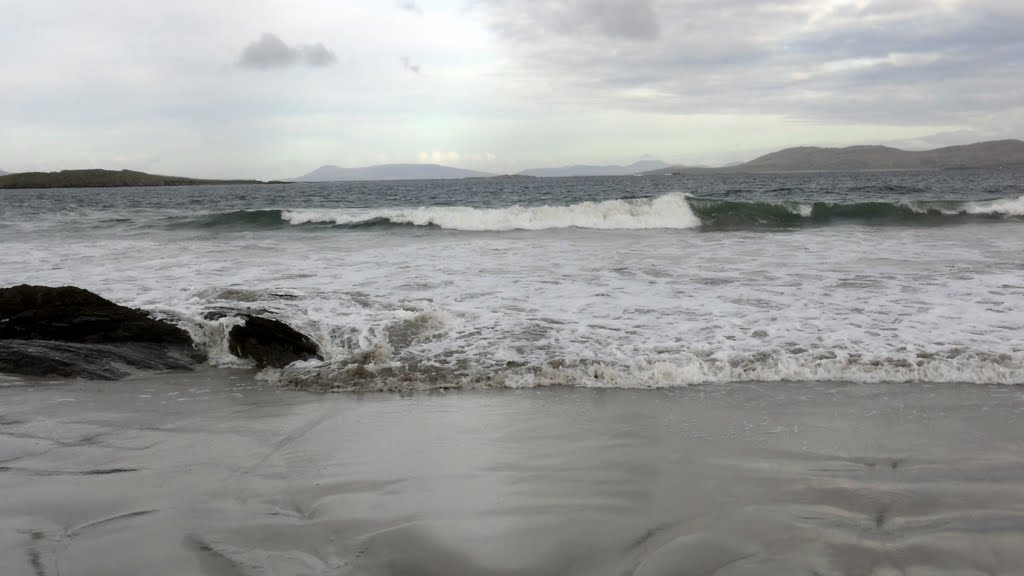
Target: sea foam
{"type": "Point", "coordinates": [1002, 206]}
{"type": "Point", "coordinates": [666, 212]}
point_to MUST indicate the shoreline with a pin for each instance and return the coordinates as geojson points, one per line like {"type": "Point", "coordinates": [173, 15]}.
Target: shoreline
{"type": "Point", "coordinates": [215, 473]}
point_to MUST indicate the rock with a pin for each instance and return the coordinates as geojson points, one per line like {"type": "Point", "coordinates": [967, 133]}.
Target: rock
{"type": "Point", "coordinates": [70, 314]}
{"type": "Point", "coordinates": [215, 314]}
{"type": "Point", "coordinates": [271, 343]}
{"type": "Point", "coordinates": [72, 332]}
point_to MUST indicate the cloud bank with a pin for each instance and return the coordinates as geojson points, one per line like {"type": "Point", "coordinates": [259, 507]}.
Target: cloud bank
{"type": "Point", "coordinates": [868, 61]}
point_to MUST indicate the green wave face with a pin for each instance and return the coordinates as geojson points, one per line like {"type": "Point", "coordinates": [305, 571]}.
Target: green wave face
{"type": "Point", "coordinates": [727, 214]}
{"type": "Point", "coordinates": [239, 219]}
{"type": "Point", "coordinates": [722, 214]}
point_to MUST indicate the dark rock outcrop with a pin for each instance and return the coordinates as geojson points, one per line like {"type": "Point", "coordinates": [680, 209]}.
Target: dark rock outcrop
{"type": "Point", "coordinates": [68, 331]}
{"type": "Point", "coordinates": [91, 361]}
{"type": "Point", "coordinates": [70, 314]}
{"type": "Point", "coordinates": [271, 343]}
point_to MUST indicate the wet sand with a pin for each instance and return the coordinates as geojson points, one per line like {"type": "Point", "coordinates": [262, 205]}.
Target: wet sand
{"type": "Point", "coordinates": [215, 474]}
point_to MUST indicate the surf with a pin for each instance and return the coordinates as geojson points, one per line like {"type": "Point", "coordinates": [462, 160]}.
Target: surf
{"type": "Point", "coordinates": [672, 211]}
{"type": "Point", "coordinates": [669, 211]}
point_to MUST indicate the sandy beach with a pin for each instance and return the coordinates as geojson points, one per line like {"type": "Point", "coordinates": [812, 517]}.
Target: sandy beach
{"type": "Point", "coordinates": [214, 473]}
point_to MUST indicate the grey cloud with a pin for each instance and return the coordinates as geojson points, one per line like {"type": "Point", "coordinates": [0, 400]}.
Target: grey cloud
{"type": "Point", "coordinates": [409, 6]}
{"type": "Point", "coordinates": [635, 19]}
{"type": "Point", "coordinates": [886, 61]}
{"type": "Point", "coordinates": [272, 52]}
{"type": "Point", "coordinates": [318, 55]}
{"type": "Point", "coordinates": [622, 19]}
{"type": "Point", "coordinates": [409, 66]}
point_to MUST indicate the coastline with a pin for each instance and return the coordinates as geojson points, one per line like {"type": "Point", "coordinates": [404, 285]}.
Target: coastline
{"type": "Point", "coordinates": [213, 472]}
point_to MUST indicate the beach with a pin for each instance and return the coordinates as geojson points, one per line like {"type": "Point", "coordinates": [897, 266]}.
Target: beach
{"type": "Point", "coordinates": [722, 374]}
{"type": "Point", "coordinates": [499, 288]}
{"type": "Point", "coordinates": [216, 473]}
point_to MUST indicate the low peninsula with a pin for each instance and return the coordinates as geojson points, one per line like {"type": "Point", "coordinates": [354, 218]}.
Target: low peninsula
{"type": "Point", "coordinates": [96, 178]}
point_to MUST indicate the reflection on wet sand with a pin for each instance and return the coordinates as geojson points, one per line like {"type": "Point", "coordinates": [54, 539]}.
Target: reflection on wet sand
{"type": "Point", "coordinates": [212, 473]}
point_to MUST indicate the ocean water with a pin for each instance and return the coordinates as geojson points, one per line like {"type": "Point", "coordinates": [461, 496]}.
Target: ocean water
{"type": "Point", "coordinates": [625, 282]}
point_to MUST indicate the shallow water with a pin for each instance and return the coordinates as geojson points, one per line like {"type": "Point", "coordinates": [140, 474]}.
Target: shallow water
{"type": "Point", "coordinates": [215, 473]}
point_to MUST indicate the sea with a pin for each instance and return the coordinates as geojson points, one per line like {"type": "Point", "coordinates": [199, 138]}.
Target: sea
{"type": "Point", "coordinates": [608, 282]}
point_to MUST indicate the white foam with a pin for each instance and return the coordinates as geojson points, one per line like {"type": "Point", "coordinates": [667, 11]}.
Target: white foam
{"type": "Point", "coordinates": [642, 373]}
{"type": "Point", "coordinates": [587, 308]}
{"type": "Point", "coordinates": [1003, 206]}
{"type": "Point", "coordinates": [670, 211]}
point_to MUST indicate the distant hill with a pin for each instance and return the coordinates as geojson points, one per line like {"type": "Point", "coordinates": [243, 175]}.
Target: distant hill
{"type": "Point", "coordinates": [102, 179]}
{"type": "Point", "coordinates": [388, 172]}
{"type": "Point", "coordinates": [585, 170]}
{"type": "Point", "coordinates": [2, 173]}
{"type": "Point", "coordinates": [981, 155]}
{"type": "Point", "coordinates": [810, 158]}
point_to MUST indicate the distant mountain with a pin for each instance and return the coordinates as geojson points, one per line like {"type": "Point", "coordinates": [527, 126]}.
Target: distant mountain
{"type": "Point", "coordinates": [102, 179]}
{"type": "Point", "coordinates": [585, 170]}
{"type": "Point", "coordinates": [980, 155]}
{"type": "Point", "coordinates": [388, 172]}
{"type": "Point", "coordinates": [992, 154]}
{"type": "Point", "coordinates": [2, 173]}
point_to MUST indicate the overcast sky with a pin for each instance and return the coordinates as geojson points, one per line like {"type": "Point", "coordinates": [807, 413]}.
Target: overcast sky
{"type": "Point", "coordinates": [274, 89]}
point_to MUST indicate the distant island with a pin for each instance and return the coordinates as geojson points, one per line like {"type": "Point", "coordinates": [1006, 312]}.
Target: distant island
{"type": "Point", "coordinates": [96, 178]}
{"type": "Point", "coordinates": [993, 154]}
{"type": "Point", "coordinates": [586, 170]}
{"type": "Point", "coordinates": [389, 172]}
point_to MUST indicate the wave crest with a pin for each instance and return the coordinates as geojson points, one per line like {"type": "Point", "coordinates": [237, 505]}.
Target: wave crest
{"type": "Point", "coordinates": [670, 211]}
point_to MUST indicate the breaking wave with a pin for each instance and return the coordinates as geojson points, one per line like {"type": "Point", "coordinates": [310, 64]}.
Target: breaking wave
{"type": "Point", "coordinates": [670, 211]}
{"type": "Point", "coordinates": [377, 370]}
{"type": "Point", "coordinates": [419, 348]}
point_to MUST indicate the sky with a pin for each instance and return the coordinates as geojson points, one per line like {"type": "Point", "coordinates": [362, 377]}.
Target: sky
{"type": "Point", "coordinates": [273, 89]}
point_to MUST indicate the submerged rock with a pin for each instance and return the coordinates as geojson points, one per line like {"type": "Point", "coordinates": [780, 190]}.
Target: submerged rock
{"type": "Point", "coordinates": [71, 332]}
{"type": "Point", "coordinates": [271, 343]}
